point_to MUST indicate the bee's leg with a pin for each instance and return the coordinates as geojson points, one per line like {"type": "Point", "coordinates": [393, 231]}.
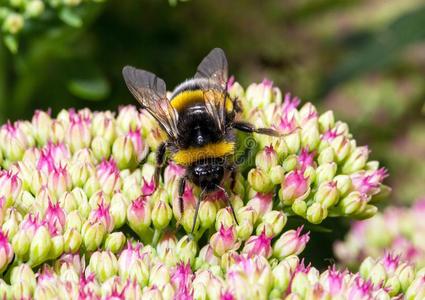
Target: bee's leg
{"type": "Point", "coordinates": [229, 203]}
{"type": "Point", "coordinates": [198, 203]}
{"type": "Point", "coordinates": [182, 185]}
{"type": "Point", "coordinates": [160, 157]}
{"type": "Point", "coordinates": [232, 177]}
{"type": "Point", "coordinates": [247, 127]}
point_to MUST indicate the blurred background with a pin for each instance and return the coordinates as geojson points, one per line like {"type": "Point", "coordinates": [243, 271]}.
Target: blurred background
{"type": "Point", "coordinates": [363, 59]}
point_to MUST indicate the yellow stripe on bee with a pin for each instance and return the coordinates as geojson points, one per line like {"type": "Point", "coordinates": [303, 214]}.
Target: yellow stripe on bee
{"type": "Point", "coordinates": [189, 97]}
{"type": "Point", "coordinates": [188, 156]}
{"type": "Point", "coordinates": [186, 98]}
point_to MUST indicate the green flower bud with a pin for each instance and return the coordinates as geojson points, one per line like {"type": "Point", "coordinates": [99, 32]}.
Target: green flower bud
{"type": "Point", "coordinates": [416, 290]}
{"type": "Point", "coordinates": [299, 207]}
{"type": "Point", "coordinates": [393, 286]}
{"type": "Point", "coordinates": [368, 212]}
{"type": "Point", "coordinates": [5, 292]}
{"type": "Point", "coordinates": [21, 245]}
{"type": "Point", "coordinates": [406, 274]}
{"type": "Point", "coordinates": [310, 136]}
{"type": "Point", "coordinates": [282, 275]}
{"type": "Point", "coordinates": [207, 213]}
{"type": "Point", "coordinates": [72, 241]}
{"type": "Point", "coordinates": [353, 203]}
{"type": "Point", "coordinates": [225, 218]}
{"type": "Point", "coordinates": [326, 121]}
{"type": "Point", "coordinates": [186, 249]}
{"type": "Point", "coordinates": [101, 148]}
{"type": "Point", "coordinates": [366, 267]}
{"type": "Point", "coordinates": [260, 181]}
{"type": "Point", "coordinates": [326, 156]}
{"type": "Point", "coordinates": [80, 173]}
{"type": "Point", "coordinates": [114, 242]}
{"type": "Point", "coordinates": [11, 224]}
{"type": "Point", "coordinates": [273, 223]}
{"type": "Point", "coordinates": [123, 153]}
{"type": "Point", "coordinates": [93, 235]}
{"type": "Point", "coordinates": [161, 214]}
{"type": "Point", "coordinates": [277, 174]}
{"type": "Point", "coordinates": [159, 275]}
{"type": "Point", "coordinates": [293, 141]}
{"type": "Point", "coordinates": [118, 209]}
{"type": "Point", "coordinates": [356, 160]}
{"type": "Point", "coordinates": [91, 186]}
{"type": "Point", "coordinates": [377, 274]}
{"type": "Point", "coordinates": [327, 194]}
{"type": "Point", "coordinates": [316, 213]}
{"type": "Point", "coordinates": [57, 247]}
{"type": "Point", "coordinates": [74, 221]}
{"type": "Point", "coordinates": [300, 284]}
{"type": "Point", "coordinates": [41, 245]}
{"type": "Point", "coordinates": [106, 265]}
{"type": "Point", "coordinates": [290, 163]}
{"type": "Point", "coordinates": [83, 203]}
{"type": "Point", "coordinates": [343, 184]}
{"type": "Point", "coordinates": [23, 274]}
{"type": "Point", "coordinates": [325, 172]}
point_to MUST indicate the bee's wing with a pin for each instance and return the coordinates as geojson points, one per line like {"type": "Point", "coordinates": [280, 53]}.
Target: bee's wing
{"type": "Point", "coordinates": [150, 92]}
{"type": "Point", "coordinates": [213, 68]}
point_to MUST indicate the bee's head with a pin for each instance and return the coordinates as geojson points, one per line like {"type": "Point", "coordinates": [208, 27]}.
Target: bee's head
{"type": "Point", "coordinates": [207, 174]}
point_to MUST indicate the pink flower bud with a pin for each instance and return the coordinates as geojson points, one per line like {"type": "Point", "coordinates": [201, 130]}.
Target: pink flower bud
{"type": "Point", "coordinates": [295, 186]}
{"type": "Point", "coordinates": [306, 159]}
{"type": "Point", "coordinates": [55, 217]}
{"type": "Point", "coordinates": [14, 141]}
{"type": "Point", "coordinates": [108, 176]}
{"type": "Point", "coordinates": [104, 126]}
{"type": "Point", "coordinates": [79, 135]}
{"type": "Point", "coordinates": [101, 214]}
{"type": "Point", "coordinates": [6, 252]}
{"type": "Point", "coordinates": [266, 158]}
{"type": "Point", "coordinates": [368, 182]}
{"type": "Point", "coordinates": [139, 214]}
{"type": "Point", "coordinates": [58, 152]}
{"type": "Point", "coordinates": [258, 245]}
{"type": "Point", "coordinates": [10, 187]}
{"type": "Point", "coordinates": [223, 240]}
{"type": "Point", "coordinates": [128, 118]}
{"type": "Point", "coordinates": [42, 123]}
{"type": "Point", "coordinates": [59, 180]}
{"type": "Point", "coordinates": [261, 203]}
{"type": "Point", "coordinates": [181, 277]}
{"type": "Point", "coordinates": [290, 242]}
{"type": "Point", "coordinates": [172, 172]}
{"type": "Point", "coordinates": [189, 201]}
{"type": "Point", "coordinates": [140, 147]}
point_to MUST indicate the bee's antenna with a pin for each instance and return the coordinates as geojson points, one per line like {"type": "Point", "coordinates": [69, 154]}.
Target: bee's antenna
{"type": "Point", "coordinates": [228, 203]}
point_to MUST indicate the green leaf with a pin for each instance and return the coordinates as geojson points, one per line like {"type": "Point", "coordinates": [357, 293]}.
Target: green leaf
{"type": "Point", "coordinates": [93, 89]}
{"type": "Point", "coordinates": [70, 17]}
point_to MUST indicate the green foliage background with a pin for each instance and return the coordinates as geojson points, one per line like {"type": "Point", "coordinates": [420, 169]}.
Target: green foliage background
{"type": "Point", "coordinates": [363, 59]}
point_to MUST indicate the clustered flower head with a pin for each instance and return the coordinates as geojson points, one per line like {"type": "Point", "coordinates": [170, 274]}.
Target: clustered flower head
{"type": "Point", "coordinates": [398, 230]}
{"type": "Point", "coordinates": [317, 168]}
{"type": "Point", "coordinates": [81, 216]}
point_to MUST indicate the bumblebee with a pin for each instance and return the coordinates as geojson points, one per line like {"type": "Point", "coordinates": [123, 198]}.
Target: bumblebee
{"type": "Point", "coordinates": [199, 121]}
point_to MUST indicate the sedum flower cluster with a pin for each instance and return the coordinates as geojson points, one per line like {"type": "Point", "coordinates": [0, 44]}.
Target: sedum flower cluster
{"type": "Point", "coordinates": [317, 168]}
{"type": "Point", "coordinates": [146, 272]}
{"type": "Point", "coordinates": [403, 228]}
{"type": "Point", "coordinates": [75, 218]}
